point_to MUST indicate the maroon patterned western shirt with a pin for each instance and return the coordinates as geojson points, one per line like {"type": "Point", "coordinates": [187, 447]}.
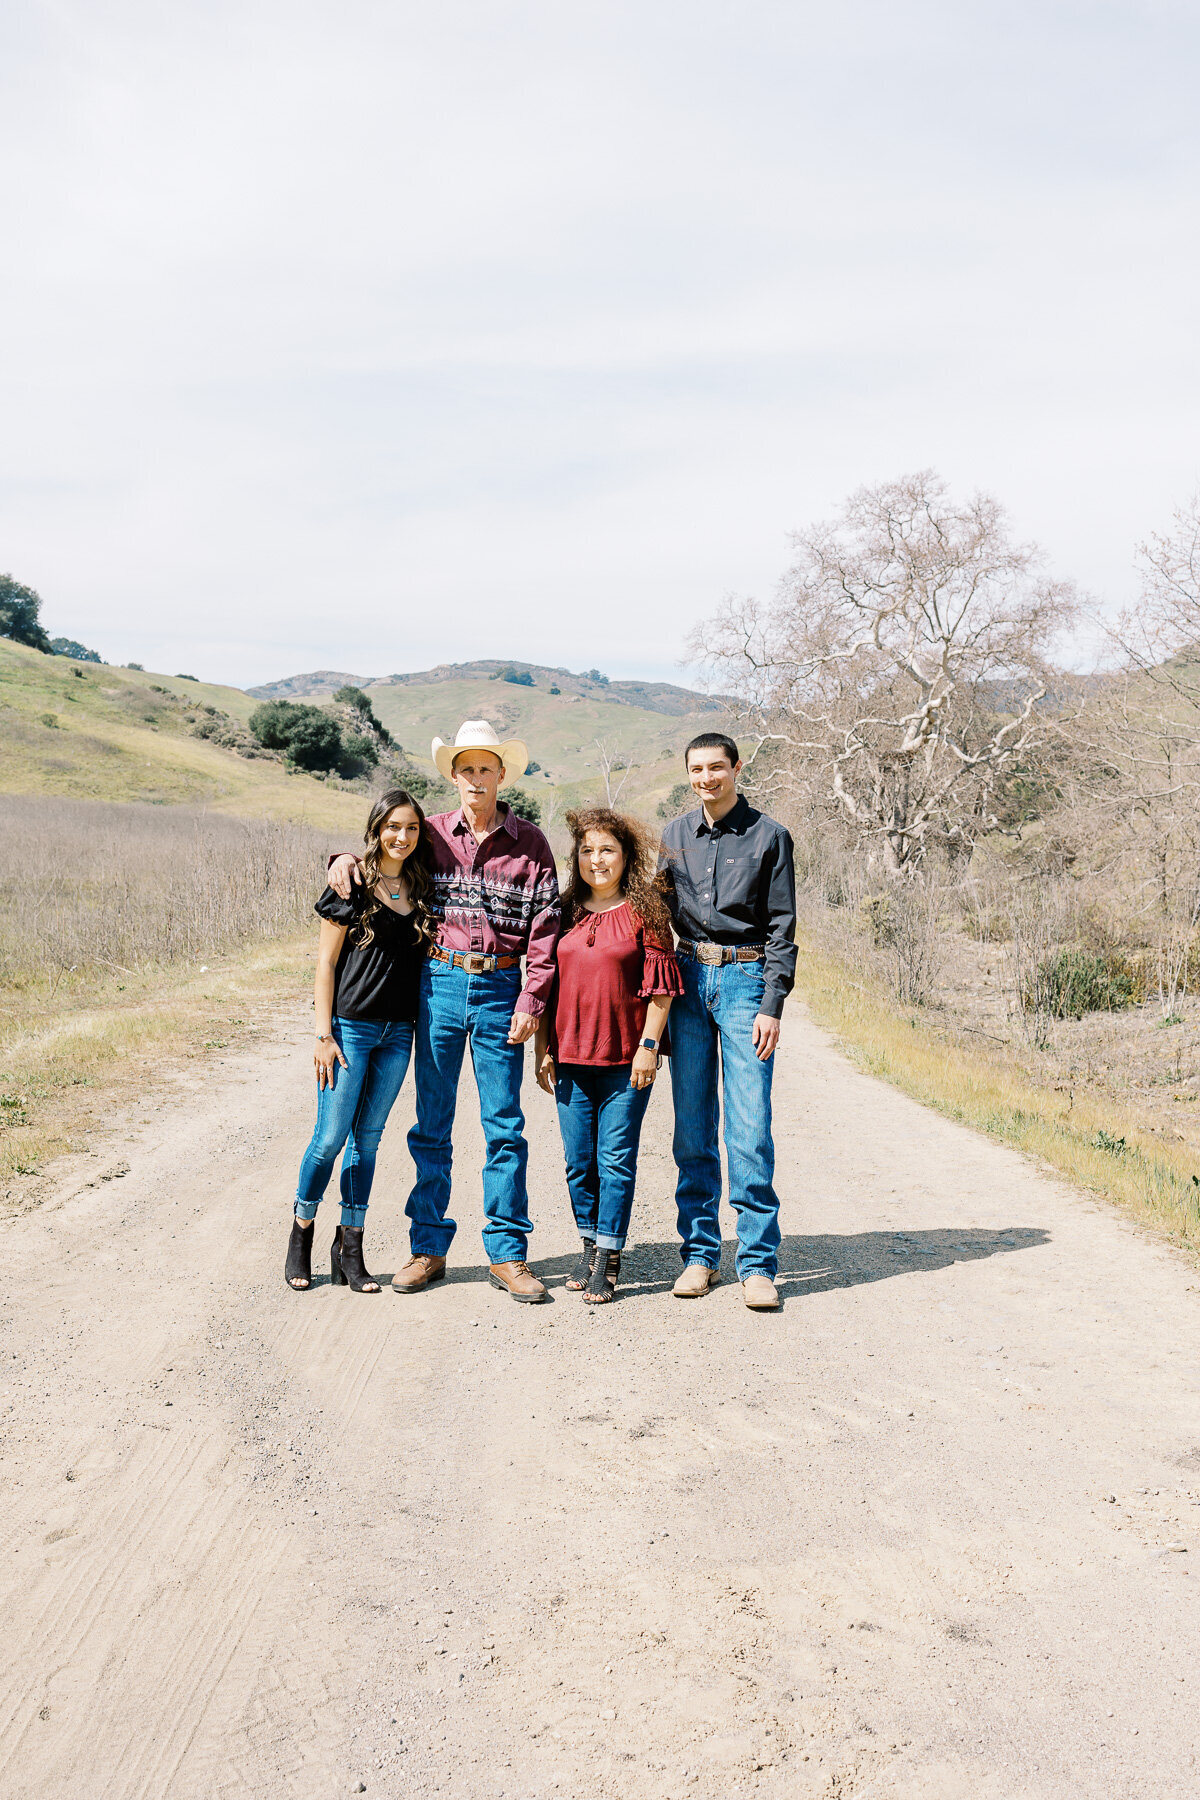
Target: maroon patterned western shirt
{"type": "Point", "coordinates": [499, 897]}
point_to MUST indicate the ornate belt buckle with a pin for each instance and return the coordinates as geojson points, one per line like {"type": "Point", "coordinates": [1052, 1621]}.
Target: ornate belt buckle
{"type": "Point", "coordinates": [710, 953]}
{"type": "Point", "coordinates": [474, 963]}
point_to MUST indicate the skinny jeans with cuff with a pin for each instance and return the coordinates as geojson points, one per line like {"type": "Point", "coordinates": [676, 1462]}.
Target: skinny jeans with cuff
{"type": "Point", "coordinates": [352, 1114]}
{"type": "Point", "coordinates": [600, 1117]}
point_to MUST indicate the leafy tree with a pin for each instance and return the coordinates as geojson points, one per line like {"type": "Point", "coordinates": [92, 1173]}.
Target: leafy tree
{"type": "Point", "coordinates": [355, 697]}
{"type": "Point", "coordinates": [555, 689]}
{"type": "Point", "coordinates": [19, 608]}
{"type": "Point", "coordinates": [360, 747]}
{"type": "Point", "coordinates": [596, 676]}
{"type": "Point", "coordinates": [518, 677]}
{"type": "Point", "coordinates": [525, 806]}
{"type": "Point", "coordinates": [308, 737]}
{"type": "Point", "coordinates": [68, 647]}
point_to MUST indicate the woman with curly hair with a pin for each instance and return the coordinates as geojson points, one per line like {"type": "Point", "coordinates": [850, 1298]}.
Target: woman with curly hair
{"type": "Point", "coordinates": [599, 1042]}
{"type": "Point", "coordinates": [368, 975]}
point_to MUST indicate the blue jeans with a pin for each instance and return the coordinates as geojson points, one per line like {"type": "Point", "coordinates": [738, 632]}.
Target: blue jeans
{"type": "Point", "coordinates": [354, 1112]}
{"type": "Point", "coordinates": [717, 1009]}
{"type": "Point", "coordinates": [457, 1009]}
{"type": "Point", "coordinates": [600, 1117]}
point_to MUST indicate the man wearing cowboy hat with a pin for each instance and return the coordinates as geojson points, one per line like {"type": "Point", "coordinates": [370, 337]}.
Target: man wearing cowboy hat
{"type": "Point", "coordinates": [495, 900]}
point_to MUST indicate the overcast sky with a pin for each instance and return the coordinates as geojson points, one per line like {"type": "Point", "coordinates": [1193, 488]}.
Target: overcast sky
{"type": "Point", "coordinates": [368, 336]}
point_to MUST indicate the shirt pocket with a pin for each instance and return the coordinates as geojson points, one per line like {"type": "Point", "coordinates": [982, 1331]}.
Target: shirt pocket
{"type": "Point", "coordinates": [736, 884]}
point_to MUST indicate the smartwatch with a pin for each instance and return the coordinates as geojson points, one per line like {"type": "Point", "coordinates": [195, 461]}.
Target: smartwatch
{"type": "Point", "coordinates": [649, 1044]}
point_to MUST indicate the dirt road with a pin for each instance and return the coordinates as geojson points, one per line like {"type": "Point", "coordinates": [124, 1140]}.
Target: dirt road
{"type": "Point", "coordinates": [931, 1531]}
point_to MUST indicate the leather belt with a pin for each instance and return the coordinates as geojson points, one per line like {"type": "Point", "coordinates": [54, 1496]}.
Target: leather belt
{"type": "Point", "coordinates": [473, 961]}
{"type": "Point", "coordinates": [721, 953]}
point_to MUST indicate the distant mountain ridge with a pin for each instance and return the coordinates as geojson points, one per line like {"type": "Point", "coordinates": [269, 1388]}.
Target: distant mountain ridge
{"type": "Point", "coordinates": [652, 696]}
{"type": "Point", "coordinates": [311, 686]}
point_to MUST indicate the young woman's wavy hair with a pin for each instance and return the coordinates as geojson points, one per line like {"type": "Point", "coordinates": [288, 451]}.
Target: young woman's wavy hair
{"type": "Point", "coordinates": [643, 889]}
{"type": "Point", "coordinates": [417, 875]}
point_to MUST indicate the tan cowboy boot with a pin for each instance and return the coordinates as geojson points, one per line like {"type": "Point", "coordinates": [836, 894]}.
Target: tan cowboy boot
{"type": "Point", "coordinates": [417, 1273]}
{"type": "Point", "coordinates": [759, 1293]}
{"type": "Point", "coordinates": [696, 1279]}
{"type": "Point", "coordinates": [519, 1280]}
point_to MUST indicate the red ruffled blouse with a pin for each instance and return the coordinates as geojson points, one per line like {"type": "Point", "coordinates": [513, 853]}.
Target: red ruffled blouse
{"type": "Point", "coordinates": [609, 965]}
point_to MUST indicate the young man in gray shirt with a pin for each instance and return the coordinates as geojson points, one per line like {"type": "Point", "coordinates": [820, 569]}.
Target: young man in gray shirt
{"type": "Point", "coordinates": [734, 908]}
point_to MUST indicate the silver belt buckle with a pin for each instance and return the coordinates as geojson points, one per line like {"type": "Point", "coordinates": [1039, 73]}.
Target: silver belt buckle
{"type": "Point", "coordinates": [474, 963]}
{"type": "Point", "coordinates": [710, 953]}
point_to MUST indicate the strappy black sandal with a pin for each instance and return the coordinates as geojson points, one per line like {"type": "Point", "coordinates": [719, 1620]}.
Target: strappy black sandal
{"type": "Point", "coordinates": [577, 1280]}
{"type": "Point", "coordinates": [297, 1270]}
{"type": "Point", "coordinates": [346, 1265]}
{"type": "Point", "coordinates": [602, 1284]}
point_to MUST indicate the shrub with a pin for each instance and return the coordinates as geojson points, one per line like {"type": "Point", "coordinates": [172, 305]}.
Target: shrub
{"type": "Point", "coordinates": [525, 806]}
{"type": "Point", "coordinates": [61, 646]}
{"type": "Point", "coordinates": [308, 737]}
{"type": "Point", "coordinates": [352, 696]}
{"type": "Point", "coordinates": [19, 608]}
{"type": "Point", "coordinates": [1074, 982]}
{"type": "Point", "coordinates": [675, 801]}
{"type": "Point", "coordinates": [555, 689]}
{"type": "Point", "coordinates": [430, 790]}
{"type": "Point", "coordinates": [182, 677]}
{"type": "Point", "coordinates": [360, 748]}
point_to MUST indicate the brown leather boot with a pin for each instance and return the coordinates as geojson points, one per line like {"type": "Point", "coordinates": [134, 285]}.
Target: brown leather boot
{"type": "Point", "coordinates": [519, 1280]}
{"type": "Point", "coordinates": [417, 1273]}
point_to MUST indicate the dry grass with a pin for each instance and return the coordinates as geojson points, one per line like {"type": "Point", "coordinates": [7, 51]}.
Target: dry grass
{"type": "Point", "coordinates": [130, 936]}
{"type": "Point", "coordinates": [64, 1077]}
{"type": "Point", "coordinates": [1093, 1144]}
{"type": "Point", "coordinates": [90, 891]}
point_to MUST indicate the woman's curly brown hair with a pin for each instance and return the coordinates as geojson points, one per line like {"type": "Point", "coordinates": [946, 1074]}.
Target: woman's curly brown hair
{"type": "Point", "coordinates": [417, 876]}
{"type": "Point", "coordinates": [644, 890]}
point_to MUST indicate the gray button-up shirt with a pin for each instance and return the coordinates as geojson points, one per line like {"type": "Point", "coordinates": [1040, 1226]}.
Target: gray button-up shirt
{"type": "Point", "coordinates": [735, 883]}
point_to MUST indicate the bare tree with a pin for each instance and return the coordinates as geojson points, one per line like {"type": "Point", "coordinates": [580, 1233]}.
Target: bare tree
{"type": "Point", "coordinates": [612, 760]}
{"type": "Point", "coordinates": [1167, 621]}
{"type": "Point", "coordinates": [1135, 778]}
{"type": "Point", "coordinates": [900, 666]}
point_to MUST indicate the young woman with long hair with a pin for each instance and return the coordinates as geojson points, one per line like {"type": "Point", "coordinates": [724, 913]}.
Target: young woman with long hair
{"type": "Point", "coordinates": [600, 1038]}
{"type": "Point", "coordinates": [368, 974]}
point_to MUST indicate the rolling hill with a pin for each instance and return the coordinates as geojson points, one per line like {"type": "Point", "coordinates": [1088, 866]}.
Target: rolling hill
{"type": "Point", "coordinates": [99, 733]}
{"type": "Point", "coordinates": [565, 719]}
{"type": "Point", "coordinates": [647, 696]}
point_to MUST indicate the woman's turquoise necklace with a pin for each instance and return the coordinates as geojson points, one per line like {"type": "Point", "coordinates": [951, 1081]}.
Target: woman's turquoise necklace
{"type": "Point", "coordinates": [387, 881]}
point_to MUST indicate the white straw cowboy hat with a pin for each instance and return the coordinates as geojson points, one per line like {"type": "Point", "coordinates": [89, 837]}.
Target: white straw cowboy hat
{"type": "Point", "coordinates": [477, 734]}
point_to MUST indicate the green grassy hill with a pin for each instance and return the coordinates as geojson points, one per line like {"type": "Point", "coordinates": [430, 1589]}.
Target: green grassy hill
{"type": "Point", "coordinates": [101, 733]}
{"type": "Point", "coordinates": [561, 730]}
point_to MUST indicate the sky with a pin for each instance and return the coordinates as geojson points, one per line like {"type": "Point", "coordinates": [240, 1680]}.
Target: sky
{"type": "Point", "coordinates": [373, 335]}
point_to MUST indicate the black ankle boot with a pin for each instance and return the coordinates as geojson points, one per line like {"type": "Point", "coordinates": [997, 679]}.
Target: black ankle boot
{"type": "Point", "coordinates": [298, 1267]}
{"type": "Point", "coordinates": [346, 1265]}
